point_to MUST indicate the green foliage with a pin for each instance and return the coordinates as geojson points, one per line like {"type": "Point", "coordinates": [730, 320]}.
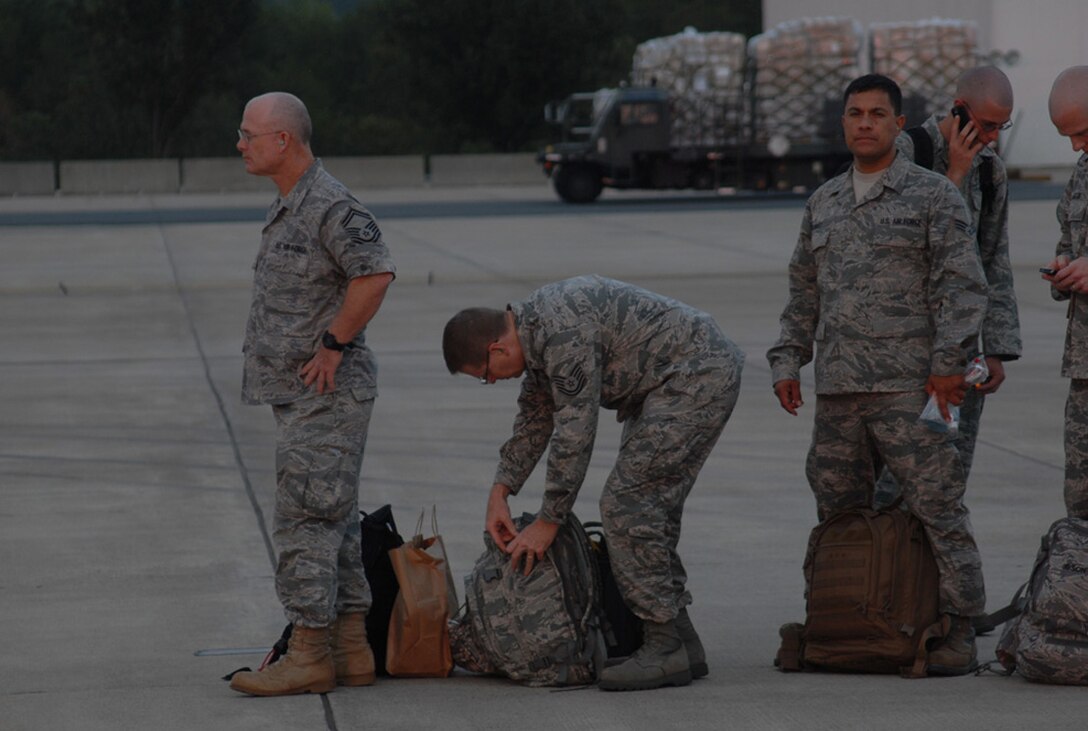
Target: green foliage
{"type": "Point", "coordinates": [157, 59]}
{"type": "Point", "coordinates": [36, 62]}
{"type": "Point", "coordinates": [486, 67]}
{"type": "Point", "coordinates": [138, 78]}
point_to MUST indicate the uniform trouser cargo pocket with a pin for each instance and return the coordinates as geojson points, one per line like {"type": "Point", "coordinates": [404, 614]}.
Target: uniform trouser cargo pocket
{"type": "Point", "coordinates": [319, 451]}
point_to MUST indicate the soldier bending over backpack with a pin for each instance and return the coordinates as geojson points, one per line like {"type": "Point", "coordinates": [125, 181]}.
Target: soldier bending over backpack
{"type": "Point", "coordinates": [673, 378]}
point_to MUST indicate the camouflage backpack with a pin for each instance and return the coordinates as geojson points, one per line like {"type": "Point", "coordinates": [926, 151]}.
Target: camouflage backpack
{"type": "Point", "coordinates": [540, 629]}
{"type": "Point", "coordinates": [1048, 641]}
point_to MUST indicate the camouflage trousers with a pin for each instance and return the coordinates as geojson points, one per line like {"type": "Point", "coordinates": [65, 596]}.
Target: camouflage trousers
{"type": "Point", "coordinates": [853, 433]}
{"type": "Point", "coordinates": [662, 449]}
{"type": "Point", "coordinates": [887, 490]}
{"type": "Point", "coordinates": [319, 454]}
{"type": "Point", "coordinates": [1076, 449]}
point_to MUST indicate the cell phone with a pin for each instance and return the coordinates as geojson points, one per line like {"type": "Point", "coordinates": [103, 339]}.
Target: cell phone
{"type": "Point", "coordinates": [959, 111]}
{"type": "Point", "coordinates": [1048, 270]}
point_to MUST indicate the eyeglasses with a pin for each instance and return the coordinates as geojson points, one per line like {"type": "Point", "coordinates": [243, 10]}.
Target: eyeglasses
{"type": "Point", "coordinates": [989, 127]}
{"type": "Point", "coordinates": [994, 127]}
{"type": "Point", "coordinates": [250, 136]}
{"type": "Point", "coordinates": [486, 377]}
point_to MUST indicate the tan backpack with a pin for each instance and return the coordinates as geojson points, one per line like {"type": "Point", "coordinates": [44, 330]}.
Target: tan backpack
{"type": "Point", "coordinates": [872, 597]}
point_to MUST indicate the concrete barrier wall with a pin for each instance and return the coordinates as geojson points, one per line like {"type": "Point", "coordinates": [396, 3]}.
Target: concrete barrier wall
{"type": "Point", "coordinates": [227, 174]}
{"type": "Point", "coordinates": [218, 175]}
{"type": "Point", "coordinates": [119, 176]}
{"type": "Point", "coordinates": [390, 171]}
{"type": "Point", "coordinates": [26, 178]}
{"type": "Point", "coordinates": [499, 169]}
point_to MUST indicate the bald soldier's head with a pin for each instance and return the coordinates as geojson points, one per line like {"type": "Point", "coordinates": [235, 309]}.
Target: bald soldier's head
{"type": "Point", "coordinates": [1069, 106]}
{"type": "Point", "coordinates": [987, 94]}
{"type": "Point", "coordinates": [287, 112]}
{"type": "Point", "coordinates": [274, 138]}
{"type": "Point", "coordinates": [985, 84]}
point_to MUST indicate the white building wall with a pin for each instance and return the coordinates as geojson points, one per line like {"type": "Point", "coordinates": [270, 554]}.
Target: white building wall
{"type": "Point", "coordinates": [1049, 35]}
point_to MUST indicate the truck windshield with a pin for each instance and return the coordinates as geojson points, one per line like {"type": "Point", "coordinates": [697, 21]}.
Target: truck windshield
{"type": "Point", "coordinates": [579, 113]}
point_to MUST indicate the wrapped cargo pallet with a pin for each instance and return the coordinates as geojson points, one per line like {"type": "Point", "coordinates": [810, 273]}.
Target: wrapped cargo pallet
{"type": "Point", "coordinates": [704, 75]}
{"type": "Point", "coordinates": [925, 58]}
{"type": "Point", "coordinates": [798, 72]}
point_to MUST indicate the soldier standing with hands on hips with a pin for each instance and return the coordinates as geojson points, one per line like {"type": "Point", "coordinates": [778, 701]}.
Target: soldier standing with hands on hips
{"type": "Point", "coordinates": [321, 274]}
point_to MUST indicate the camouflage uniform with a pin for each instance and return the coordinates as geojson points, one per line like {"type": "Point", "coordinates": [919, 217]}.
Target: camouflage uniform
{"type": "Point", "coordinates": [673, 378]}
{"type": "Point", "coordinates": [892, 289]}
{"type": "Point", "coordinates": [1074, 224]}
{"type": "Point", "coordinates": [1001, 326]}
{"type": "Point", "coordinates": [315, 240]}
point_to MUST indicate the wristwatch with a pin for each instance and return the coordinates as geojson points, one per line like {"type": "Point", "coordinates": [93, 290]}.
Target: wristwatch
{"type": "Point", "coordinates": [329, 341]}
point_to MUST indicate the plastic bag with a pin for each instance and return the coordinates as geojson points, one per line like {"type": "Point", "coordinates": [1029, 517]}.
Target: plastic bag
{"type": "Point", "coordinates": [974, 376]}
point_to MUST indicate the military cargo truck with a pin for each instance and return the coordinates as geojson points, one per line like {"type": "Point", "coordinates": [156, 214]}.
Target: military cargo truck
{"type": "Point", "coordinates": [711, 111]}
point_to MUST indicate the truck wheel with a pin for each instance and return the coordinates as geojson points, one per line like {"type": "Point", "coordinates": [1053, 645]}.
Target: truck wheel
{"type": "Point", "coordinates": [578, 184]}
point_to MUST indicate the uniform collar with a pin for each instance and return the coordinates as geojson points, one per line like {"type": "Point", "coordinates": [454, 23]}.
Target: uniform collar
{"type": "Point", "coordinates": [293, 200]}
{"type": "Point", "coordinates": [893, 178]}
{"type": "Point", "coordinates": [523, 329]}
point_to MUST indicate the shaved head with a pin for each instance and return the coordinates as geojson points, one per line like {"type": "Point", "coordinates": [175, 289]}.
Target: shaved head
{"type": "Point", "coordinates": [285, 111]}
{"type": "Point", "coordinates": [1069, 106]}
{"type": "Point", "coordinates": [985, 84]}
{"type": "Point", "coordinates": [1069, 93]}
{"type": "Point", "coordinates": [274, 138]}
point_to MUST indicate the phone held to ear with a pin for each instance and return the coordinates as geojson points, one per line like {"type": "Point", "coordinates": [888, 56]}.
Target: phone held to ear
{"type": "Point", "coordinates": [960, 112]}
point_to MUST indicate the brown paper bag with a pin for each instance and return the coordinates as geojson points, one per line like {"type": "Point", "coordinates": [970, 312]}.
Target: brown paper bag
{"type": "Point", "coordinates": [419, 641]}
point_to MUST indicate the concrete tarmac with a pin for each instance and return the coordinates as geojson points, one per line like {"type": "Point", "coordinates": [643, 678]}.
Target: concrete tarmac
{"type": "Point", "coordinates": [136, 489]}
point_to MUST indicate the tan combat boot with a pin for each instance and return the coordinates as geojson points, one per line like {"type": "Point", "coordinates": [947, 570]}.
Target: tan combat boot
{"type": "Point", "coordinates": [957, 655]}
{"type": "Point", "coordinates": [305, 668]}
{"type": "Point", "coordinates": [662, 660]}
{"type": "Point", "coordinates": [694, 647]}
{"type": "Point", "coordinates": [351, 653]}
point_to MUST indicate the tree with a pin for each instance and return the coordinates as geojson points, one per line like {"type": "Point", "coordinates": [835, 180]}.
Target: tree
{"type": "Point", "coordinates": [133, 78]}
{"type": "Point", "coordinates": [483, 69]}
{"type": "Point", "coordinates": [154, 60]}
{"type": "Point", "coordinates": [37, 55]}
{"type": "Point", "coordinates": [651, 18]}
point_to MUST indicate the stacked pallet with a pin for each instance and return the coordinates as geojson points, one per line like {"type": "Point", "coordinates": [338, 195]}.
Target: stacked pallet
{"type": "Point", "coordinates": [925, 57]}
{"type": "Point", "coordinates": [799, 71]}
{"type": "Point", "coordinates": [704, 75]}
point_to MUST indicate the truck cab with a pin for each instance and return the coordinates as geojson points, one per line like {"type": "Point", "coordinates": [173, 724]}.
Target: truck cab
{"type": "Point", "coordinates": [610, 137]}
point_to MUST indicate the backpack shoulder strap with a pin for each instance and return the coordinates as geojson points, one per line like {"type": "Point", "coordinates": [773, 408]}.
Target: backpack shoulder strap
{"type": "Point", "coordinates": [986, 623]}
{"type": "Point", "coordinates": [986, 182]}
{"type": "Point", "coordinates": [923, 147]}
